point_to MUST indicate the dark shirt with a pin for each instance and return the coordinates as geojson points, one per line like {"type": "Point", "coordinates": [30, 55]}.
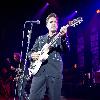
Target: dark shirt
{"type": "Point", "coordinates": [53, 65]}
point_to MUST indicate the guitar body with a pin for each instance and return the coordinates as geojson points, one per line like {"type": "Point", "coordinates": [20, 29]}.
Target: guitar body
{"type": "Point", "coordinates": [35, 66]}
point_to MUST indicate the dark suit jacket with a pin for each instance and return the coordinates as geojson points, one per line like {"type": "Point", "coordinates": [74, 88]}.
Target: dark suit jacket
{"type": "Point", "coordinates": [53, 65]}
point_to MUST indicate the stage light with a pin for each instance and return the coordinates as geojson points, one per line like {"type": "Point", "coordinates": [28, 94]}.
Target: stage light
{"type": "Point", "coordinates": [98, 11]}
{"type": "Point", "coordinates": [75, 11]}
{"type": "Point", "coordinates": [47, 3]}
{"type": "Point", "coordinates": [41, 11]}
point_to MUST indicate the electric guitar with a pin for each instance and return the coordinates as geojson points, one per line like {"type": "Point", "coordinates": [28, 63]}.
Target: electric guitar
{"type": "Point", "coordinates": [35, 66]}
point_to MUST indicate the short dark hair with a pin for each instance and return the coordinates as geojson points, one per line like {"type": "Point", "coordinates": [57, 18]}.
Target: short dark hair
{"type": "Point", "coordinates": [51, 15]}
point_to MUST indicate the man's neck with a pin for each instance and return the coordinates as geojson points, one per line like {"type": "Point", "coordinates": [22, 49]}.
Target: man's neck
{"type": "Point", "coordinates": [50, 34]}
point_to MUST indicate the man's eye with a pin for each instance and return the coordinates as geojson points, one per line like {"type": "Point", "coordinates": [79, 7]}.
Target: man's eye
{"type": "Point", "coordinates": [51, 21]}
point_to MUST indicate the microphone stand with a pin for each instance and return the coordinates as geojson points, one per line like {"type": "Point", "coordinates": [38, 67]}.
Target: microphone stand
{"type": "Point", "coordinates": [23, 80]}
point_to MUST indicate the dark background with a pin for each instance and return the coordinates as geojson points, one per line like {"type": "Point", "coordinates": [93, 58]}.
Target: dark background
{"type": "Point", "coordinates": [84, 39]}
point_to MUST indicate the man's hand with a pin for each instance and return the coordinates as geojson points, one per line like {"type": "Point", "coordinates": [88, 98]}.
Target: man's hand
{"type": "Point", "coordinates": [63, 30]}
{"type": "Point", "coordinates": [35, 55]}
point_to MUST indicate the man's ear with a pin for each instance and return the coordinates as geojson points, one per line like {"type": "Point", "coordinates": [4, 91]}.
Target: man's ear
{"type": "Point", "coordinates": [46, 25]}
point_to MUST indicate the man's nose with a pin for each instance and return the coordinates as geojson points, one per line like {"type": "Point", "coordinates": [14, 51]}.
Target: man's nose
{"type": "Point", "coordinates": [54, 23]}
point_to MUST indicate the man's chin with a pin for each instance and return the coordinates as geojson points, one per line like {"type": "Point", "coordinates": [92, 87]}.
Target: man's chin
{"type": "Point", "coordinates": [54, 31]}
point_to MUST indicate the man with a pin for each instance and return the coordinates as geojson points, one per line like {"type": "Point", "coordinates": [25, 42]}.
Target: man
{"type": "Point", "coordinates": [16, 69]}
{"type": "Point", "coordinates": [15, 64]}
{"type": "Point", "coordinates": [49, 75]}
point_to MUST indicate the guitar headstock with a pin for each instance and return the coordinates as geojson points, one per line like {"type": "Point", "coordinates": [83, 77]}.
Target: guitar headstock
{"type": "Point", "coordinates": [75, 22]}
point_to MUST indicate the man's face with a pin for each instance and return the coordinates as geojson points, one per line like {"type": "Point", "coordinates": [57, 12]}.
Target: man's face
{"type": "Point", "coordinates": [52, 24]}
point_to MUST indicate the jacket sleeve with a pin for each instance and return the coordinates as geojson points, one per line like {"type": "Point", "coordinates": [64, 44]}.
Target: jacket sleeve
{"type": "Point", "coordinates": [65, 42]}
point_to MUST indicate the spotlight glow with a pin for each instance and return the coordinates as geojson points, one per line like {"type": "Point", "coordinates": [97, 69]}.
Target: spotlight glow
{"type": "Point", "coordinates": [98, 11]}
{"type": "Point", "coordinates": [47, 3]}
{"type": "Point", "coordinates": [75, 11]}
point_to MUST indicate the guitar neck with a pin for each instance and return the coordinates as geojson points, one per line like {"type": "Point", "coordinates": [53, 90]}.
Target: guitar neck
{"type": "Point", "coordinates": [71, 23]}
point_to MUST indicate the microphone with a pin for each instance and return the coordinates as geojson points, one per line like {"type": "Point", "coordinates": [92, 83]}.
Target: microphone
{"type": "Point", "coordinates": [37, 22]}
